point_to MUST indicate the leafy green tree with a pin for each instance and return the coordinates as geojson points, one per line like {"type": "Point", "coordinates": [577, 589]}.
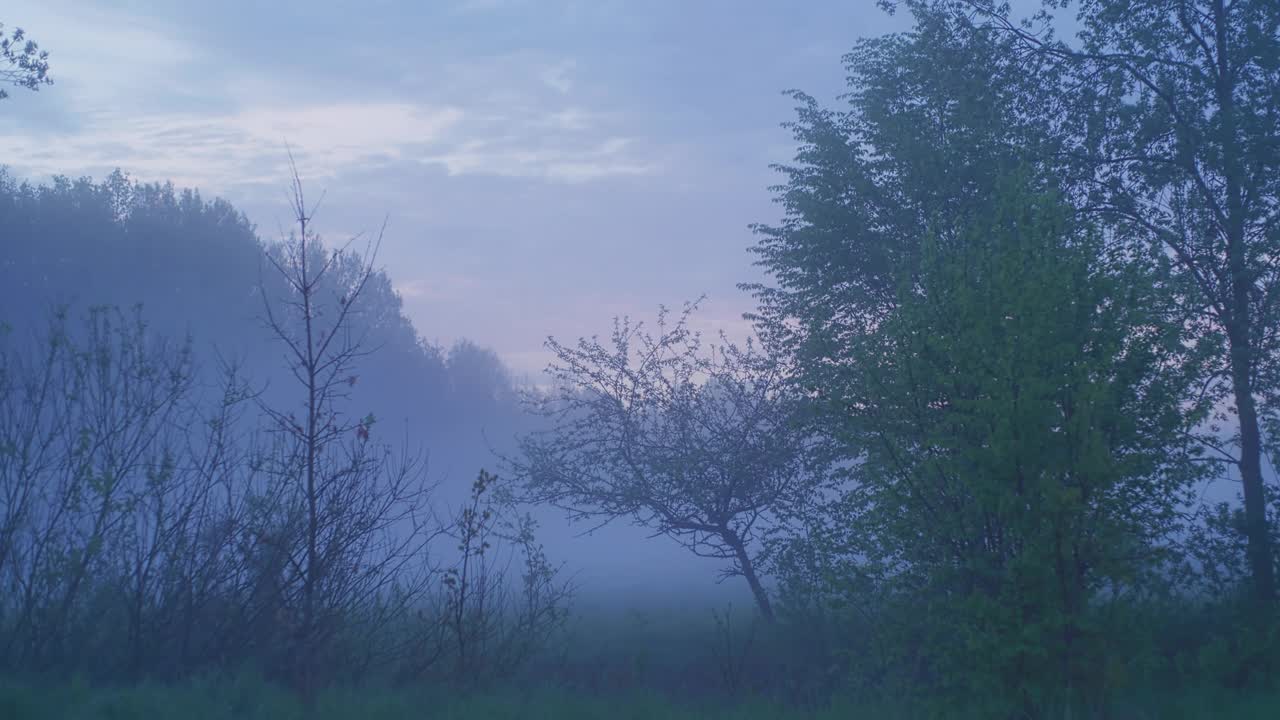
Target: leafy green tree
{"type": "Point", "coordinates": [1174, 134]}
{"type": "Point", "coordinates": [22, 63]}
{"type": "Point", "coordinates": [1020, 417]}
{"type": "Point", "coordinates": [935, 116]}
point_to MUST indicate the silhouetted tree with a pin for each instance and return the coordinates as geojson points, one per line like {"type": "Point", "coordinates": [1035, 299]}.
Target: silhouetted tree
{"type": "Point", "coordinates": [354, 520]}
{"type": "Point", "coordinates": [90, 429]}
{"type": "Point", "coordinates": [703, 445]}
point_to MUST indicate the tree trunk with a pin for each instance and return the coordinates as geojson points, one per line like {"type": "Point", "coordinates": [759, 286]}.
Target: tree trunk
{"type": "Point", "coordinates": [1261, 563]}
{"type": "Point", "coordinates": [749, 572]}
{"type": "Point", "coordinates": [308, 646]}
{"type": "Point", "coordinates": [1240, 325]}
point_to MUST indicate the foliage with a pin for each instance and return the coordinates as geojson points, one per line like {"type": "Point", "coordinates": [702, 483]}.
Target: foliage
{"type": "Point", "coordinates": [1170, 132]}
{"type": "Point", "coordinates": [1020, 418]}
{"type": "Point", "coordinates": [939, 363]}
{"type": "Point", "coordinates": [935, 118]}
{"type": "Point", "coordinates": [114, 480]}
{"type": "Point", "coordinates": [22, 63]}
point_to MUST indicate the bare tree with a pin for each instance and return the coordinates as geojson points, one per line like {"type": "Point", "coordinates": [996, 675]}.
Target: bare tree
{"type": "Point", "coordinates": [702, 445]}
{"type": "Point", "coordinates": [83, 429]}
{"type": "Point", "coordinates": [352, 524]}
{"type": "Point", "coordinates": [176, 553]}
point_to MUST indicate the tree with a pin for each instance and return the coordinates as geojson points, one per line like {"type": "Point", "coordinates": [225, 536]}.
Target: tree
{"type": "Point", "coordinates": [1021, 417]}
{"type": "Point", "coordinates": [100, 469]}
{"type": "Point", "coordinates": [1175, 136]}
{"type": "Point", "coordinates": [701, 445]}
{"type": "Point", "coordinates": [936, 117]}
{"type": "Point", "coordinates": [22, 63]}
{"type": "Point", "coordinates": [490, 624]}
{"type": "Point", "coordinates": [351, 520]}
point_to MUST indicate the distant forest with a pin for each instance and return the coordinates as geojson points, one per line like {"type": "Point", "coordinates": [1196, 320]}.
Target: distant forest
{"type": "Point", "coordinates": [1002, 443]}
{"type": "Point", "coordinates": [199, 268]}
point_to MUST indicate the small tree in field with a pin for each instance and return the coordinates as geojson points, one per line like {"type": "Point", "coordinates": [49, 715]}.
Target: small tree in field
{"type": "Point", "coordinates": [491, 625]}
{"type": "Point", "coordinates": [701, 444]}
{"type": "Point", "coordinates": [351, 517]}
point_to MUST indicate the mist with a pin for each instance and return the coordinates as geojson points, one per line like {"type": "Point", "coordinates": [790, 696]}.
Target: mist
{"type": "Point", "coordinates": [622, 359]}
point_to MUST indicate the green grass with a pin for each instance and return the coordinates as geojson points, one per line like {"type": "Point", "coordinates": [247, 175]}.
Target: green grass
{"type": "Point", "coordinates": [246, 698]}
{"type": "Point", "coordinates": [251, 700]}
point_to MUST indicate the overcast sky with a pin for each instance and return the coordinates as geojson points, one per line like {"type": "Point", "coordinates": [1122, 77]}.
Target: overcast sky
{"type": "Point", "coordinates": [544, 164]}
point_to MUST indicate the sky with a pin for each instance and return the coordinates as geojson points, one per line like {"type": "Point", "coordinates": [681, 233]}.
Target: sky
{"type": "Point", "coordinates": [542, 165]}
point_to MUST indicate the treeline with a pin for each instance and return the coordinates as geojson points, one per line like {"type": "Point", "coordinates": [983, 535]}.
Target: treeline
{"type": "Point", "coordinates": [165, 512]}
{"type": "Point", "coordinates": [199, 268]}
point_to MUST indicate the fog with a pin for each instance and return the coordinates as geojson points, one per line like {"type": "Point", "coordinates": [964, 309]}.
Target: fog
{"type": "Point", "coordinates": [726, 343]}
{"type": "Point", "coordinates": [539, 172]}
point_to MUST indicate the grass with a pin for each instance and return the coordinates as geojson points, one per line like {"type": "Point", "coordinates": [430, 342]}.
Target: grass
{"type": "Point", "coordinates": [247, 698]}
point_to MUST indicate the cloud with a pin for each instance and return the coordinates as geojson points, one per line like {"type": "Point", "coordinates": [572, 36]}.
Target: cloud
{"type": "Point", "coordinates": [247, 147]}
{"type": "Point", "coordinates": [488, 129]}
{"type": "Point", "coordinates": [556, 76]}
{"type": "Point", "coordinates": [479, 6]}
{"type": "Point", "coordinates": [151, 99]}
{"type": "Point", "coordinates": [446, 288]}
{"type": "Point", "coordinates": [230, 149]}
{"type": "Point", "coordinates": [510, 157]}
{"type": "Point", "coordinates": [570, 119]}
